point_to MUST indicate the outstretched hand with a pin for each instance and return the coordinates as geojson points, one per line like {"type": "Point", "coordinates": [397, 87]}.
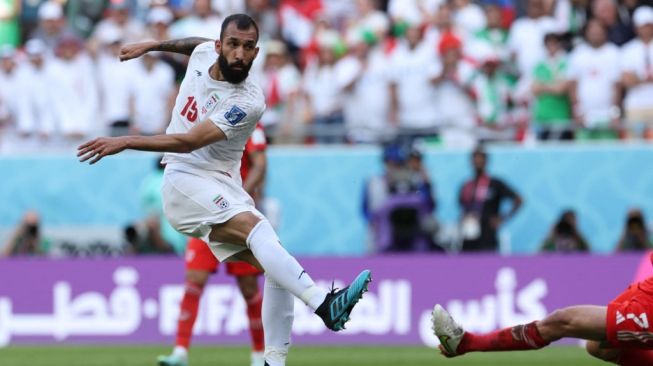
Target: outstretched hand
{"type": "Point", "coordinates": [99, 148]}
{"type": "Point", "coordinates": [135, 50]}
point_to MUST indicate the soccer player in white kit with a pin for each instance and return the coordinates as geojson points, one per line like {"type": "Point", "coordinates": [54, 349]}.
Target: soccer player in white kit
{"type": "Point", "coordinates": [215, 112]}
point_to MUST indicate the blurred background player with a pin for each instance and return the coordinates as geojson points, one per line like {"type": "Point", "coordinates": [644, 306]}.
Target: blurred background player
{"type": "Point", "coordinates": [201, 263]}
{"type": "Point", "coordinates": [618, 333]}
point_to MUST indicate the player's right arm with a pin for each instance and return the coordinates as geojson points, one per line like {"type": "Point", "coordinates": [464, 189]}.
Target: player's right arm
{"type": "Point", "coordinates": [202, 134]}
{"type": "Point", "coordinates": [184, 46]}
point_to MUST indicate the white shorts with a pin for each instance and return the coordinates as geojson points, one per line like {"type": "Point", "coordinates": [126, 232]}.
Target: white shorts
{"type": "Point", "coordinates": [195, 199]}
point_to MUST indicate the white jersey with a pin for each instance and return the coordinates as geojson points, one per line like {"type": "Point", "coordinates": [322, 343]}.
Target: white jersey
{"type": "Point", "coordinates": [234, 108]}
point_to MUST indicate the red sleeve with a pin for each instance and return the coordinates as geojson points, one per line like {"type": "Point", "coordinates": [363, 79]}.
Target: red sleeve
{"type": "Point", "coordinates": [256, 142]}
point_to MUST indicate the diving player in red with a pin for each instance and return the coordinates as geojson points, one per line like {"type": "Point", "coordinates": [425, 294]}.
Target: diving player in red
{"type": "Point", "coordinates": [201, 263]}
{"type": "Point", "coordinates": [619, 333]}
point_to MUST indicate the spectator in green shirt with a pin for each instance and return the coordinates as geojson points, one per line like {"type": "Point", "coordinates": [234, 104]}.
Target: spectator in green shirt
{"type": "Point", "coordinates": [9, 28]}
{"type": "Point", "coordinates": [552, 106]}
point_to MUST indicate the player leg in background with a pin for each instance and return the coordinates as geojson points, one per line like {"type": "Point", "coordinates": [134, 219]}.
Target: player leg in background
{"type": "Point", "coordinates": [194, 286]}
{"type": "Point", "coordinates": [200, 264]}
{"type": "Point", "coordinates": [247, 279]}
{"type": "Point", "coordinates": [584, 322]}
{"type": "Point", "coordinates": [286, 274]}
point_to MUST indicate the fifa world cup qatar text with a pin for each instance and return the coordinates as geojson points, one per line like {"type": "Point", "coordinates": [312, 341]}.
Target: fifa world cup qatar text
{"type": "Point", "coordinates": [215, 112]}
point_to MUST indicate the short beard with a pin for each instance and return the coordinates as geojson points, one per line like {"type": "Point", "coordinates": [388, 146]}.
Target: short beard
{"type": "Point", "coordinates": [230, 74]}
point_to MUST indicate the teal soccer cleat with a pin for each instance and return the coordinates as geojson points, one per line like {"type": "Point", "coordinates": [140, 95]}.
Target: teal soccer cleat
{"type": "Point", "coordinates": [338, 304]}
{"type": "Point", "coordinates": [171, 360]}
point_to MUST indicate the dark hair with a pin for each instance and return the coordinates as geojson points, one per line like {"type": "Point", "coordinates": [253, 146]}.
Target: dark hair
{"type": "Point", "coordinates": [636, 218]}
{"type": "Point", "coordinates": [552, 37]}
{"type": "Point", "coordinates": [243, 22]}
{"type": "Point", "coordinates": [593, 21]}
{"type": "Point", "coordinates": [479, 150]}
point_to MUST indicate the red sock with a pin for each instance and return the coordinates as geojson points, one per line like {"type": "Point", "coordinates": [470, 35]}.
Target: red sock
{"type": "Point", "coordinates": [635, 357]}
{"type": "Point", "coordinates": [188, 313]}
{"type": "Point", "coordinates": [520, 337]}
{"type": "Point", "coordinates": [255, 323]}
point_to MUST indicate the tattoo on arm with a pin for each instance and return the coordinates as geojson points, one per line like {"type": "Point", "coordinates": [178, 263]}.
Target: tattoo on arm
{"type": "Point", "coordinates": [184, 45]}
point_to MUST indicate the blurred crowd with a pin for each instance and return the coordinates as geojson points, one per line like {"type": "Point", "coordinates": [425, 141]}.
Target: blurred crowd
{"type": "Point", "coordinates": [452, 72]}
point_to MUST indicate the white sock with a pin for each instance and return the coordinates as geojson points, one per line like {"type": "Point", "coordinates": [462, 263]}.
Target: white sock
{"type": "Point", "coordinates": [257, 359]}
{"type": "Point", "coordinates": [281, 267]}
{"type": "Point", "coordinates": [278, 314]}
{"type": "Point", "coordinates": [180, 352]}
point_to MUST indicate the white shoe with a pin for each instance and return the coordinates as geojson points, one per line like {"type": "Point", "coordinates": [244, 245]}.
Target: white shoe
{"type": "Point", "coordinates": [447, 330]}
{"type": "Point", "coordinates": [257, 359]}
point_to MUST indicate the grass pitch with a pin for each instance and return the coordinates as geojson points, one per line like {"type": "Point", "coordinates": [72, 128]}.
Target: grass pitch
{"type": "Point", "coordinates": [299, 356]}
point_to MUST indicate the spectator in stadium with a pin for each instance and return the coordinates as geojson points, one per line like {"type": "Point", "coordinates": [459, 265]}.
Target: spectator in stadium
{"type": "Point", "coordinates": [440, 23]}
{"type": "Point", "coordinates": [594, 89]}
{"type": "Point", "coordinates": [526, 38]}
{"type": "Point", "coordinates": [75, 102]}
{"type": "Point", "coordinates": [365, 76]}
{"type": "Point", "coordinates": [494, 34]}
{"type": "Point", "coordinates": [371, 22]}
{"type": "Point", "coordinates": [635, 235]}
{"type": "Point", "coordinates": [565, 237]}
{"type": "Point", "coordinates": [152, 95]}
{"type": "Point", "coordinates": [297, 21]}
{"type": "Point", "coordinates": [480, 201]}
{"type": "Point", "coordinates": [469, 16]}
{"type": "Point", "coordinates": [9, 26]}
{"type": "Point", "coordinates": [229, 6]}
{"type": "Point", "coordinates": [27, 238]}
{"type": "Point", "coordinates": [323, 91]}
{"type": "Point", "coordinates": [265, 15]}
{"type": "Point", "coordinates": [52, 26]}
{"type": "Point", "coordinates": [571, 16]}
{"type": "Point", "coordinates": [400, 10]}
{"type": "Point", "coordinates": [491, 90]}
{"type": "Point", "coordinates": [118, 17]}
{"type": "Point", "coordinates": [38, 119]}
{"type": "Point", "coordinates": [637, 75]}
{"type": "Point", "coordinates": [399, 203]}
{"type": "Point", "coordinates": [620, 29]}
{"type": "Point", "coordinates": [281, 82]}
{"type": "Point", "coordinates": [11, 90]}
{"type": "Point", "coordinates": [552, 107]}
{"type": "Point", "coordinates": [158, 22]}
{"type": "Point", "coordinates": [455, 107]}
{"type": "Point", "coordinates": [115, 79]}
{"type": "Point", "coordinates": [200, 23]}
{"type": "Point", "coordinates": [414, 71]}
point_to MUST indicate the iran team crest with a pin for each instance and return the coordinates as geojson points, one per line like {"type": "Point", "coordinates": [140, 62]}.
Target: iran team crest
{"type": "Point", "coordinates": [221, 202]}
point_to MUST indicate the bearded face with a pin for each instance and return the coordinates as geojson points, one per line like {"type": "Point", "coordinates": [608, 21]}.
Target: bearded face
{"type": "Point", "coordinates": [234, 72]}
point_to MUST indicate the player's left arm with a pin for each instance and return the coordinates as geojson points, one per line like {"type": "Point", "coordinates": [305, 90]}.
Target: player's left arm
{"type": "Point", "coordinates": [202, 134]}
{"type": "Point", "coordinates": [184, 46]}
